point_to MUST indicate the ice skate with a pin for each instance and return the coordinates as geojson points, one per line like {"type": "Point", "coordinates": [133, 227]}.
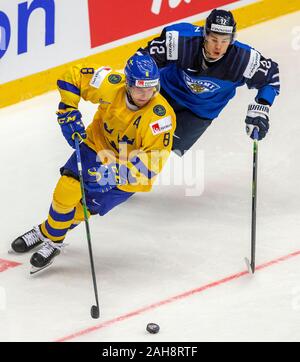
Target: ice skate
{"type": "Point", "coordinates": [28, 241]}
{"type": "Point", "coordinates": [43, 258]}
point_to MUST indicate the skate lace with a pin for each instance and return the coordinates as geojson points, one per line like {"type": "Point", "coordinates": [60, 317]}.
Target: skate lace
{"type": "Point", "coordinates": [47, 249]}
{"type": "Point", "coordinates": [31, 237]}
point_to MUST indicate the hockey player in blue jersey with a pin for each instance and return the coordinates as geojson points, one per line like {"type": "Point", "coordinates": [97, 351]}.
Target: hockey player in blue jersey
{"type": "Point", "coordinates": [201, 67]}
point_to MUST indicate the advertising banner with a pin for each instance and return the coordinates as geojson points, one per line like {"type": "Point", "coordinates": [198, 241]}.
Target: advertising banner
{"type": "Point", "coordinates": [37, 35]}
{"type": "Point", "coordinates": [116, 19]}
{"type": "Point", "coordinates": [39, 39]}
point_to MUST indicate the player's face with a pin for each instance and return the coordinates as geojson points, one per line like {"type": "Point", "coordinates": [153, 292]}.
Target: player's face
{"type": "Point", "coordinates": [141, 96]}
{"type": "Point", "coordinates": [216, 45]}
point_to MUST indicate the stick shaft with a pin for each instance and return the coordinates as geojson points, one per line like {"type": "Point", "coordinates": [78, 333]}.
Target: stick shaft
{"type": "Point", "coordinates": [86, 219]}
{"type": "Point", "coordinates": [254, 204]}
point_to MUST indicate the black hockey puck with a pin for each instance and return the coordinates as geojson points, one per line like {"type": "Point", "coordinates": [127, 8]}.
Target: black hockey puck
{"type": "Point", "coordinates": [152, 328]}
{"type": "Point", "coordinates": [95, 312]}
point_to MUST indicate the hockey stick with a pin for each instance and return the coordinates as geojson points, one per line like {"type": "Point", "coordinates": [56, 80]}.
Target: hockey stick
{"type": "Point", "coordinates": [95, 308]}
{"type": "Point", "coordinates": [251, 264]}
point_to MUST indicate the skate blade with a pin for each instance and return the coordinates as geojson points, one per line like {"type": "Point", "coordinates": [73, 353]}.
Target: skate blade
{"type": "Point", "coordinates": [35, 270]}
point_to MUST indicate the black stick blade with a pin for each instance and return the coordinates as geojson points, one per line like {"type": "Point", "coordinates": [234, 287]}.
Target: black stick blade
{"type": "Point", "coordinates": [95, 312]}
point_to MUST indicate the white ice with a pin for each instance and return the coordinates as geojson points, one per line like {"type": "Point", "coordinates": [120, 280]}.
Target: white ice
{"type": "Point", "coordinates": [164, 243]}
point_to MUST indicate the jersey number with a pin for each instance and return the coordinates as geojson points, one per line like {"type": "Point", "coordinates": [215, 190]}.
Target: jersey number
{"type": "Point", "coordinates": [87, 70]}
{"type": "Point", "coordinates": [167, 139]}
{"type": "Point", "coordinates": [157, 50]}
{"type": "Point", "coordinates": [265, 66]}
{"type": "Point", "coordinates": [160, 49]}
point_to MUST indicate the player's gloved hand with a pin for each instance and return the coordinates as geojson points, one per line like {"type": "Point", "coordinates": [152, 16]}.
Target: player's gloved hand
{"type": "Point", "coordinates": [71, 123]}
{"type": "Point", "coordinates": [106, 177]}
{"type": "Point", "coordinates": [257, 117]}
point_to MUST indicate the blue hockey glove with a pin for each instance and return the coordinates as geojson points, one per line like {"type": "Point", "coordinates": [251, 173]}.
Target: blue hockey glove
{"type": "Point", "coordinates": [71, 123]}
{"type": "Point", "coordinates": [257, 117]}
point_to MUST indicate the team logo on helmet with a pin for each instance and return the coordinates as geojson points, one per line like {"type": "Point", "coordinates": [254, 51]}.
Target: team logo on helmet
{"type": "Point", "coordinates": [114, 78]}
{"type": "Point", "coordinates": [198, 86]}
{"type": "Point", "coordinates": [159, 110]}
{"type": "Point", "coordinates": [223, 20]}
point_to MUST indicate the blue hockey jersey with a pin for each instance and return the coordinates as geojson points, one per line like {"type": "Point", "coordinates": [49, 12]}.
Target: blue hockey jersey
{"type": "Point", "coordinates": [207, 90]}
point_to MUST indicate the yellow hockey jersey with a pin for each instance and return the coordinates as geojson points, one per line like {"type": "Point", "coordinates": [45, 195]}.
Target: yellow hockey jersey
{"type": "Point", "coordinates": [140, 138]}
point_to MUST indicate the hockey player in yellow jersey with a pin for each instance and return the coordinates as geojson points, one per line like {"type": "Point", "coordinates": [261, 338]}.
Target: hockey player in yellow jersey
{"type": "Point", "coordinates": [122, 150]}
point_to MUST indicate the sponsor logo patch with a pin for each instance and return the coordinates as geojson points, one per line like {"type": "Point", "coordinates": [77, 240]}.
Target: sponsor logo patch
{"type": "Point", "coordinates": [253, 65]}
{"type": "Point", "coordinates": [159, 110]}
{"type": "Point", "coordinates": [225, 29]}
{"type": "Point", "coordinates": [172, 45]}
{"type": "Point", "coordinates": [198, 86]}
{"type": "Point", "coordinates": [146, 83]}
{"type": "Point", "coordinates": [114, 78]}
{"type": "Point", "coordinates": [99, 76]}
{"type": "Point", "coordinates": [161, 126]}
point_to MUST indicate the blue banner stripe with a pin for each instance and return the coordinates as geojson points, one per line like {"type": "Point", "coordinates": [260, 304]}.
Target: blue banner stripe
{"type": "Point", "coordinates": [61, 217]}
{"type": "Point", "coordinates": [68, 87]}
{"type": "Point", "coordinates": [55, 232]}
{"type": "Point", "coordinates": [142, 168]}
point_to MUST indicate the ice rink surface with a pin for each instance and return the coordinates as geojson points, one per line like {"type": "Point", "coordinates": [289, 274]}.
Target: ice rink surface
{"type": "Point", "coordinates": [174, 256]}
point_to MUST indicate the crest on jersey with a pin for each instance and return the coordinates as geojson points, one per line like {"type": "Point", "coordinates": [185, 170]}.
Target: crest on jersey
{"type": "Point", "coordinates": [114, 78]}
{"type": "Point", "coordinates": [198, 86]}
{"type": "Point", "coordinates": [159, 110]}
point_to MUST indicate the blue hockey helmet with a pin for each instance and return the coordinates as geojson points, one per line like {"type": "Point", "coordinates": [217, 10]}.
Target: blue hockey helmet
{"type": "Point", "coordinates": [221, 22]}
{"type": "Point", "coordinates": [142, 71]}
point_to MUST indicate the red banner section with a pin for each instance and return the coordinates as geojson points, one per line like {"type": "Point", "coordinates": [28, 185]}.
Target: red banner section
{"type": "Point", "coordinates": [116, 19]}
{"type": "Point", "coordinates": [6, 264]}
